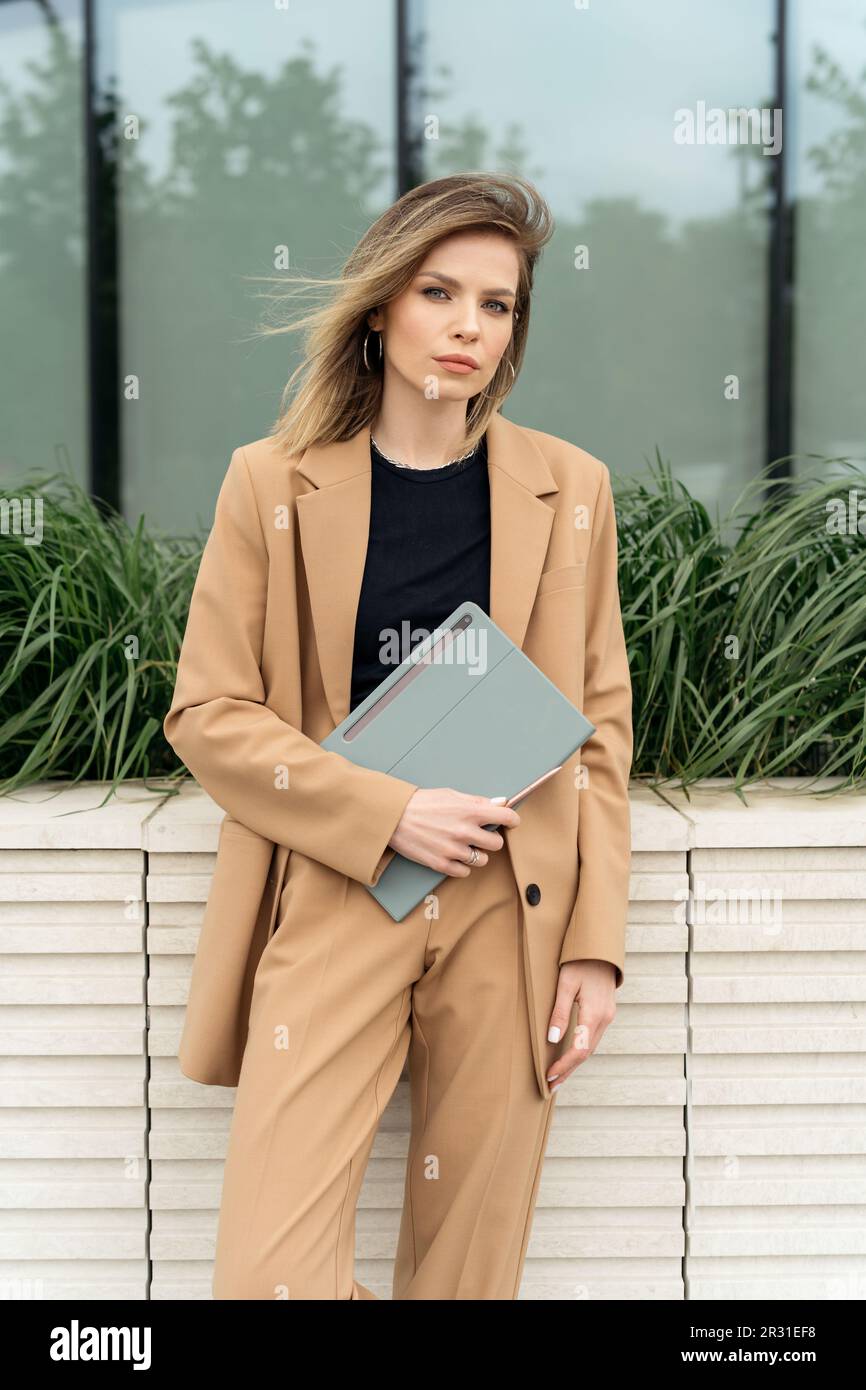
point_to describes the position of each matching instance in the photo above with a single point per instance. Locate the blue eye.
(437, 289)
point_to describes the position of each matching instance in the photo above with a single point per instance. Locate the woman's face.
(460, 301)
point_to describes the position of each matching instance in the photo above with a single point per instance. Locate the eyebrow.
(455, 284)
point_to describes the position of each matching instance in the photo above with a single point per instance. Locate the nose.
(467, 323)
(468, 333)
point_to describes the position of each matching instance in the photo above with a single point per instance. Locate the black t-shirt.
(428, 551)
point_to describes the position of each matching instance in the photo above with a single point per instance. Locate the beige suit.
(263, 676)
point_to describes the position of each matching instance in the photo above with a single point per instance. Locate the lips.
(458, 363)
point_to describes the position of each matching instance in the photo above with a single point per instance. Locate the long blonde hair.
(332, 394)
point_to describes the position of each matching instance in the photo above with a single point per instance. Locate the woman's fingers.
(491, 810)
(459, 867)
(484, 809)
(440, 826)
(483, 839)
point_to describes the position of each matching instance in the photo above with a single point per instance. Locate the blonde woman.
(390, 490)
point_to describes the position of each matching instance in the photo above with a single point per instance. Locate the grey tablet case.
(466, 709)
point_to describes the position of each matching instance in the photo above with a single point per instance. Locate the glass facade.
(827, 126)
(235, 140)
(267, 139)
(43, 242)
(653, 290)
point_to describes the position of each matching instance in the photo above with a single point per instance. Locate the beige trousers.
(337, 1004)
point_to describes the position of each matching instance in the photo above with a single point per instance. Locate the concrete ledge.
(712, 1147)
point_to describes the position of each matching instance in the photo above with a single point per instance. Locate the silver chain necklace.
(398, 464)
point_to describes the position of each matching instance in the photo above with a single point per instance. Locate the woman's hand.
(593, 984)
(439, 825)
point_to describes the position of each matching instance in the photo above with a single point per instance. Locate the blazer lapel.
(334, 524)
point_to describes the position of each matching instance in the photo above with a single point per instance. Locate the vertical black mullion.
(402, 75)
(781, 289)
(103, 357)
(410, 155)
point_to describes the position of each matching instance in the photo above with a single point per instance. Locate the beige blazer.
(264, 674)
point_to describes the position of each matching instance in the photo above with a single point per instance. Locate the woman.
(389, 491)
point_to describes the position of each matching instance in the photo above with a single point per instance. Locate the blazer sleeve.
(597, 927)
(261, 770)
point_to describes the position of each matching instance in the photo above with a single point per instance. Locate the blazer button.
(533, 894)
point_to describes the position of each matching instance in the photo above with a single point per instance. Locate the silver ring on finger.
(474, 860)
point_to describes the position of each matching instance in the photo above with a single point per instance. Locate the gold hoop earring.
(381, 349)
(502, 393)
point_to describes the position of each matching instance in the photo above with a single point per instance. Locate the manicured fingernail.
(553, 1078)
(556, 1087)
(553, 1034)
(497, 799)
